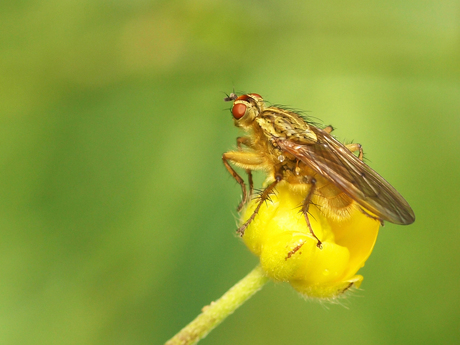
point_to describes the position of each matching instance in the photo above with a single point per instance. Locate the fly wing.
(333, 160)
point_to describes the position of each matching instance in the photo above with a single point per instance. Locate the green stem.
(215, 313)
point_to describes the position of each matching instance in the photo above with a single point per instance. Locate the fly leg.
(328, 129)
(306, 206)
(246, 160)
(355, 147)
(250, 182)
(246, 141)
(238, 179)
(263, 197)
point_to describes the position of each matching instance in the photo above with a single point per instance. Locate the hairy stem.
(217, 311)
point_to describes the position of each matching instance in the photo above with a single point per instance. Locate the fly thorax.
(267, 128)
(276, 126)
(302, 137)
(292, 130)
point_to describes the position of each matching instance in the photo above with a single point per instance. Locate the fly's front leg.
(355, 147)
(239, 180)
(306, 206)
(263, 197)
(246, 141)
(246, 160)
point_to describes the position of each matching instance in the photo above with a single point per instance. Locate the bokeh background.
(117, 217)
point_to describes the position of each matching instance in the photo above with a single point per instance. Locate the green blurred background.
(117, 217)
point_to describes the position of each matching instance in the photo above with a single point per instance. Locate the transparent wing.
(333, 160)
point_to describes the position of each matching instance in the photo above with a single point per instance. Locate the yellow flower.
(288, 252)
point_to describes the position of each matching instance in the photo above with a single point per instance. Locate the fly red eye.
(255, 94)
(243, 98)
(238, 110)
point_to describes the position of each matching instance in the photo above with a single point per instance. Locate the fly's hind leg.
(263, 197)
(355, 147)
(306, 206)
(328, 129)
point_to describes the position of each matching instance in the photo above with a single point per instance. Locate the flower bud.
(288, 252)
